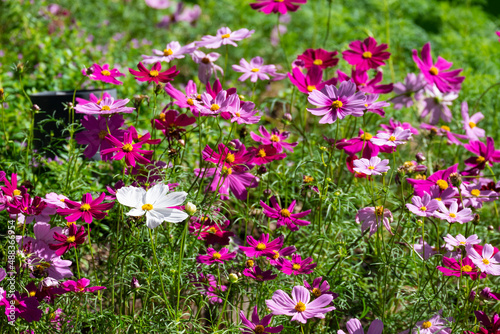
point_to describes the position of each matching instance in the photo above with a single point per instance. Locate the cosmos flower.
(408, 91)
(154, 75)
(470, 123)
(105, 74)
(354, 327)
(398, 137)
(95, 133)
(473, 195)
(80, 286)
(277, 255)
(181, 99)
(460, 240)
(181, 14)
(489, 326)
(488, 261)
(297, 266)
(310, 82)
(207, 65)
(213, 232)
(242, 112)
(74, 236)
(273, 6)
(173, 50)
(257, 274)
(441, 178)
(437, 324)
(275, 138)
(257, 325)
(255, 70)
(485, 153)
(423, 206)
(172, 124)
(362, 144)
(372, 217)
(105, 106)
(88, 210)
(452, 215)
(224, 36)
(265, 154)
(299, 306)
(214, 256)
(375, 107)
(25, 307)
(285, 216)
(319, 57)
(367, 54)
(452, 267)
(127, 149)
(262, 247)
(436, 104)
(158, 4)
(393, 124)
(319, 287)
(374, 166)
(364, 84)
(210, 106)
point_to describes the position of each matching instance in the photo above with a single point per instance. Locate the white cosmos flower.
(155, 203)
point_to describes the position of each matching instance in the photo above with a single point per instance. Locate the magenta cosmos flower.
(275, 138)
(74, 236)
(336, 103)
(127, 149)
(154, 75)
(490, 327)
(95, 133)
(319, 57)
(299, 306)
(277, 6)
(320, 287)
(423, 206)
(446, 81)
(362, 144)
(214, 256)
(88, 209)
(485, 153)
(367, 54)
(466, 267)
(488, 261)
(452, 215)
(257, 274)
(80, 286)
(437, 324)
(372, 217)
(354, 327)
(277, 255)
(105, 106)
(365, 84)
(374, 166)
(173, 50)
(310, 82)
(265, 154)
(181, 99)
(297, 266)
(441, 178)
(262, 247)
(255, 70)
(212, 232)
(224, 36)
(105, 74)
(285, 216)
(257, 325)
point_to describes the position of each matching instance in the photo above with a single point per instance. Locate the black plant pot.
(52, 118)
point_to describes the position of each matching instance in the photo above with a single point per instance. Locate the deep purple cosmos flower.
(25, 307)
(485, 153)
(276, 138)
(88, 210)
(257, 325)
(398, 137)
(262, 247)
(436, 73)
(265, 154)
(26, 205)
(285, 216)
(95, 133)
(299, 306)
(213, 232)
(74, 236)
(408, 91)
(367, 54)
(423, 206)
(470, 123)
(105, 106)
(354, 327)
(453, 267)
(214, 256)
(319, 57)
(310, 82)
(490, 326)
(436, 104)
(460, 240)
(257, 274)
(105, 74)
(372, 217)
(80, 286)
(452, 215)
(374, 166)
(224, 36)
(127, 149)
(255, 70)
(173, 50)
(336, 103)
(437, 324)
(277, 6)
(320, 287)
(488, 261)
(441, 178)
(297, 266)
(154, 75)
(172, 124)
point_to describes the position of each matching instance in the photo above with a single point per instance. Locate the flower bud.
(1, 93)
(134, 284)
(420, 168)
(242, 97)
(490, 228)
(472, 296)
(485, 293)
(35, 107)
(267, 192)
(190, 208)
(158, 88)
(476, 219)
(262, 170)
(182, 142)
(455, 179)
(287, 116)
(233, 278)
(420, 157)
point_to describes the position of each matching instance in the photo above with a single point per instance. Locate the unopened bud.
(182, 142)
(35, 107)
(158, 88)
(243, 132)
(485, 293)
(287, 116)
(420, 168)
(20, 67)
(262, 170)
(134, 284)
(420, 157)
(190, 208)
(232, 145)
(472, 296)
(242, 97)
(267, 192)
(455, 179)
(490, 228)
(233, 278)
(476, 219)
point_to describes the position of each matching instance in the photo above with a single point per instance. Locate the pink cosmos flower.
(265, 154)
(375, 107)
(181, 99)
(408, 91)
(441, 178)
(80, 286)
(487, 294)
(173, 50)
(181, 14)
(465, 267)
(460, 240)
(105, 106)
(470, 123)
(55, 200)
(485, 153)
(372, 217)
(224, 37)
(214, 256)
(257, 274)
(354, 327)
(210, 106)
(158, 4)
(88, 209)
(452, 215)
(275, 138)
(207, 66)
(374, 166)
(277, 6)
(207, 286)
(367, 54)
(336, 103)
(364, 84)
(213, 232)
(242, 112)
(74, 236)
(423, 206)
(319, 57)
(437, 74)
(437, 324)
(285, 216)
(299, 306)
(398, 137)
(236, 159)
(95, 133)
(297, 266)
(277, 255)
(436, 104)
(127, 149)
(105, 74)
(393, 124)
(262, 247)
(473, 195)
(488, 261)
(255, 70)
(154, 75)
(447, 196)
(172, 124)
(319, 288)
(257, 325)
(310, 82)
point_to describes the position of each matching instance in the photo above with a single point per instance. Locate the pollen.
(99, 101)
(475, 192)
(85, 207)
(337, 104)
(480, 159)
(392, 138)
(472, 125)
(259, 276)
(316, 292)
(68, 224)
(16, 192)
(32, 293)
(310, 88)
(318, 62)
(260, 246)
(308, 179)
(147, 207)
(70, 239)
(261, 153)
(250, 263)
(237, 114)
(212, 230)
(486, 261)
(367, 54)
(168, 52)
(438, 199)
(433, 71)
(102, 134)
(300, 307)
(296, 266)
(127, 148)
(371, 167)
(285, 213)
(226, 36)
(274, 139)
(452, 215)
(462, 242)
(467, 268)
(106, 73)
(105, 108)
(216, 256)
(190, 102)
(379, 210)
(259, 329)
(215, 107)
(423, 208)
(427, 324)
(255, 70)
(366, 136)
(276, 255)
(154, 73)
(230, 158)
(226, 171)
(442, 184)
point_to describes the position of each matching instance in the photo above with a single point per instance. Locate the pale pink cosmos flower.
(460, 240)
(207, 65)
(255, 70)
(243, 112)
(486, 261)
(372, 217)
(224, 37)
(398, 137)
(105, 106)
(437, 324)
(209, 106)
(423, 206)
(158, 4)
(472, 131)
(425, 249)
(452, 215)
(374, 166)
(299, 306)
(354, 327)
(172, 51)
(436, 104)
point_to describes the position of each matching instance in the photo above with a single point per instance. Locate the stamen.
(392, 138)
(452, 215)
(472, 125)
(226, 36)
(106, 73)
(154, 73)
(250, 263)
(85, 207)
(367, 54)
(16, 192)
(102, 134)
(260, 246)
(285, 213)
(255, 70)
(475, 192)
(445, 128)
(316, 292)
(296, 266)
(379, 210)
(168, 52)
(467, 268)
(442, 184)
(127, 148)
(337, 104)
(259, 329)
(486, 261)
(300, 307)
(230, 158)
(311, 88)
(423, 208)
(261, 153)
(433, 71)
(480, 159)
(190, 102)
(216, 256)
(426, 324)
(105, 108)
(214, 107)
(318, 62)
(366, 136)
(274, 138)
(147, 207)
(276, 255)
(70, 239)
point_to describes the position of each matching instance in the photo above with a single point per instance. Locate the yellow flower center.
(99, 101)
(255, 70)
(392, 138)
(316, 292)
(308, 179)
(226, 171)
(462, 242)
(230, 158)
(438, 199)
(16, 192)
(371, 167)
(318, 62)
(102, 134)
(105, 108)
(154, 73)
(300, 307)
(168, 52)
(260, 246)
(426, 324)
(250, 263)
(442, 184)
(445, 128)
(366, 136)
(276, 255)
(214, 107)
(52, 316)
(127, 148)
(480, 159)
(367, 54)
(475, 192)
(237, 114)
(296, 266)
(261, 153)
(467, 268)
(274, 138)
(32, 293)
(486, 261)
(70, 239)
(285, 213)
(423, 208)
(259, 329)
(190, 102)
(433, 71)
(212, 230)
(85, 207)
(259, 276)
(226, 36)
(379, 210)
(337, 104)
(106, 73)
(452, 215)
(216, 256)
(472, 125)
(310, 88)
(147, 207)
(68, 224)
